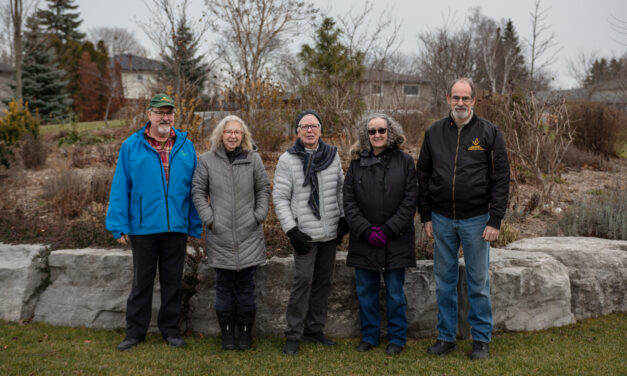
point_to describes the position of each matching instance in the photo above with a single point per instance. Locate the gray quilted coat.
(290, 198)
(232, 201)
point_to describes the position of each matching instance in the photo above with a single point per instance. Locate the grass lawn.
(592, 347)
(84, 126)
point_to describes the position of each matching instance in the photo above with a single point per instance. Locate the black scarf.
(312, 163)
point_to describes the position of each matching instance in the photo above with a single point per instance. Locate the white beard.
(163, 130)
(461, 115)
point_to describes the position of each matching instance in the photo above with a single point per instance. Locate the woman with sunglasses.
(230, 190)
(380, 198)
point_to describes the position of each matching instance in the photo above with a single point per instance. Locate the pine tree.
(329, 61)
(59, 20)
(181, 65)
(44, 86)
(513, 67)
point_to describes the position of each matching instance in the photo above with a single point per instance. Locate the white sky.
(579, 26)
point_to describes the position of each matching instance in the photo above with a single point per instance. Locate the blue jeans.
(368, 283)
(448, 234)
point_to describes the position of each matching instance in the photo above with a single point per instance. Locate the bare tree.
(444, 56)
(620, 27)
(378, 40)
(487, 45)
(15, 14)
(118, 40)
(542, 45)
(252, 34)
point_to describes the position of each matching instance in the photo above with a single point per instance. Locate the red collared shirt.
(163, 148)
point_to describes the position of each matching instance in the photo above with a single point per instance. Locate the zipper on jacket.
(165, 185)
(140, 211)
(459, 131)
(234, 230)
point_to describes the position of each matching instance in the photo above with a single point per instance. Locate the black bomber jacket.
(463, 172)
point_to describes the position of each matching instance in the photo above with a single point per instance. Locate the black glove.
(300, 240)
(342, 229)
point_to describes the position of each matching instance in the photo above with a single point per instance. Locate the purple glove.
(383, 239)
(377, 238)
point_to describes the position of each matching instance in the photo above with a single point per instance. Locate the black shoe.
(129, 343)
(176, 342)
(364, 346)
(245, 321)
(480, 350)
(226, 319)
(441, 347)
(318, 338)
(291, 347)
(393, 349)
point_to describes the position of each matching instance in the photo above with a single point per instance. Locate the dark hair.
(467, 80)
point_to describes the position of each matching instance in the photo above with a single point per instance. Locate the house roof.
(136, 63)
(387, 76)
(6, 68)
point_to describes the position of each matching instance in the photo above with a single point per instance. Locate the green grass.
(592, 347)
(81, 127)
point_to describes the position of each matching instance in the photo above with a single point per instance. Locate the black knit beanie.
(303, 114)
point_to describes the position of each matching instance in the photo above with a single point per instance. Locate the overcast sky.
(579, 25)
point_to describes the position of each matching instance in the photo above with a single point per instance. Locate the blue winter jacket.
(141, 202)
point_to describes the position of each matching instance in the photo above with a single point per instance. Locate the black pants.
(235, 290)
(167, 251)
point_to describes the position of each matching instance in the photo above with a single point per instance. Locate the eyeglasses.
(372, 132)
(456, 99)
(307, 127)
(233, 132)
(162, 114)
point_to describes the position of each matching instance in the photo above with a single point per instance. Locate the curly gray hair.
(396, 136)
(216, 136)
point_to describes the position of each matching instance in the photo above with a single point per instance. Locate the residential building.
(138, 74)
(385, 90)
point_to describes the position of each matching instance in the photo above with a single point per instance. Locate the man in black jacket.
(463, 176)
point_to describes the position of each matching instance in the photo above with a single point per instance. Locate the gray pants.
(313, 274)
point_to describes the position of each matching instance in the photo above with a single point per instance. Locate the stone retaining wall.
(535, 284)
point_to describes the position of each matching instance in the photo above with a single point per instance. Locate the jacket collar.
(367, 158)
(180, 136)
(472, 120)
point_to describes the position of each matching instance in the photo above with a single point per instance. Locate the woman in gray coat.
(230, 190)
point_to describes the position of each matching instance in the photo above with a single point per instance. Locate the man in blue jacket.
(150, 205)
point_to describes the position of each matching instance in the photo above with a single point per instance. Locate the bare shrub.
(538, 135)
(69, 192)
(577, 158)
(596, 126)
(34, 152)
(414, 123)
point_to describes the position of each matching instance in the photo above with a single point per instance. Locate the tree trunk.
(16, 16)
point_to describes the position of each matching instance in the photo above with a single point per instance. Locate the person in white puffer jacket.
(307, 197)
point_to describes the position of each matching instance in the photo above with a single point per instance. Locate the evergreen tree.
(59, 20)
(329, 62)
(44, 86)
(182, 67)
(513, 67)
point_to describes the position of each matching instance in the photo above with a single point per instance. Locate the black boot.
(245, 321)
(227, 327)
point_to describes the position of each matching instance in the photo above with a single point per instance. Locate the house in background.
(138, 75)
(385, 90)
(7, 77)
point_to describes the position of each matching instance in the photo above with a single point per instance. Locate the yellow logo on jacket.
(475, 145)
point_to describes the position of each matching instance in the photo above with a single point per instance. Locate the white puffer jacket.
(290, 198)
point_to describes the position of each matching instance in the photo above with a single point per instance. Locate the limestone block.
(89, 287)
(597, 269)
(23, 274)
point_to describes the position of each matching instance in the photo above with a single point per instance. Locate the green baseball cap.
(161, 100)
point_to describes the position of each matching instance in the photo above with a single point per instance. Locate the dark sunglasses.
(372, 132)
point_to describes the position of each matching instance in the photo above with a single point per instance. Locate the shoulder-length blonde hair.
(216, 136)
(396, 136)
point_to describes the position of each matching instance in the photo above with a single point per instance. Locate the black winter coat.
(381, 191)
(463, 172)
